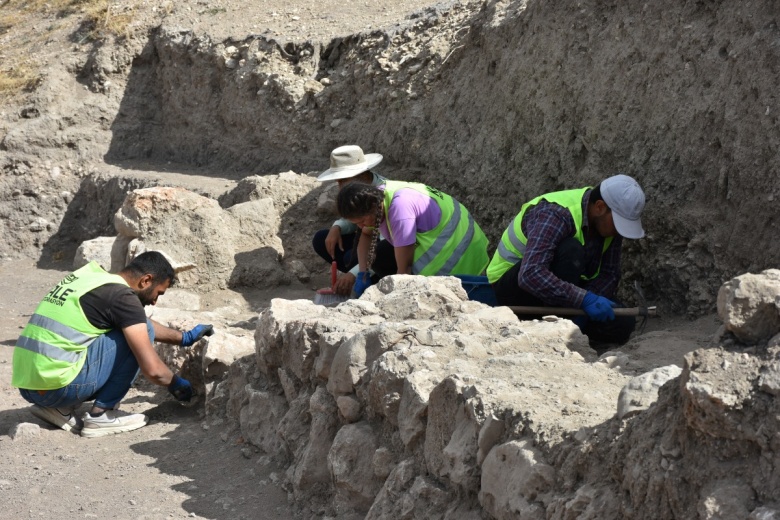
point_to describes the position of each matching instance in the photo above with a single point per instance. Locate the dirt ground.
(178, 466)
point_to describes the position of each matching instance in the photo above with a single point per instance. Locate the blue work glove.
(597, 307)
(188, 338)
(180, 388)
(362, 282)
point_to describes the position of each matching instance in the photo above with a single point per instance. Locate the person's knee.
(318, 240)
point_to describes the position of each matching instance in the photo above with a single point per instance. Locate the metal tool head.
(642, 304)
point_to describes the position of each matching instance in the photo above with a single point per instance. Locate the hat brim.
(628, 228)
(345, 172)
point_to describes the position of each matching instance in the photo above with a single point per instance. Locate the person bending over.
(348, 164)
(563, 249)
(431, 233)
(87, 340)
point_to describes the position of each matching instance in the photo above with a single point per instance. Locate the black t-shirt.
(113, 306)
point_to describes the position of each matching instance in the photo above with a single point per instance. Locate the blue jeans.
(107, 375)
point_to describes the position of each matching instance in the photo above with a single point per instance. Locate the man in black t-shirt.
(89, 338)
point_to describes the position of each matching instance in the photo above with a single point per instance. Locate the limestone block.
(326, 202)
(349, 408)
(444, 403)
(284, 337)
(405, 494)
(289, 384)
(491, 432)
(329, 343)
(748, 305)
(354, 481)
(403, 297)
(313, 466)
(294, 427)
(258, 223)
(514, 477)
(385, 379)
(718, 388)
(180, 299)
(109, 252)
(220, 351)
(459, 456)
(382, 462)
(355, 355)
(414, 405)
(237, 386)
(191, 228)
(642, 391)
(258, 419)
(729, 499)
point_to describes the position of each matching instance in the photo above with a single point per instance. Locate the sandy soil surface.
(176, 467)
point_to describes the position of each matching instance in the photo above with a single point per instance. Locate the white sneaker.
(111, 422)
(64, 418)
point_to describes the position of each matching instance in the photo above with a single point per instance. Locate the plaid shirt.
(546, 225)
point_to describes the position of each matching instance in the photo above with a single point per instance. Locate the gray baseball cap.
(626, 199)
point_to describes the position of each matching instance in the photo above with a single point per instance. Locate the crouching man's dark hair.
(153, 263)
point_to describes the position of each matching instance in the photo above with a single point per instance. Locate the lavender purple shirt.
(410, 212)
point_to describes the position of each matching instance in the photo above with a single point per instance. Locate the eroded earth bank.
(413, 402)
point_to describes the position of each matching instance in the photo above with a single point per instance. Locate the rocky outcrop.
(413, 402)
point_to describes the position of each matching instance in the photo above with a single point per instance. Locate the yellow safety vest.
(456, 245)
(52, 348)
(512, 246)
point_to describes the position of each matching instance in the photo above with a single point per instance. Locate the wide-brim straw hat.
(348, 161)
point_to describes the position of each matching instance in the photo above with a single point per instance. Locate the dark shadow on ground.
(224, 476)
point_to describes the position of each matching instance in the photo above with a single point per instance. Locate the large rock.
(642, 390)
(749, 306)
(514, 481)
(238, 245)
(259, 419)
(353, 476)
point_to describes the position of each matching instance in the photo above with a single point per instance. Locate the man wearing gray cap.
(349, 164)
(563, 249)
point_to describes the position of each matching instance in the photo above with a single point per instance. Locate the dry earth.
(176, 467)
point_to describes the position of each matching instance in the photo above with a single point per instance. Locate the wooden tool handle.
(333, 269)
(570, 311)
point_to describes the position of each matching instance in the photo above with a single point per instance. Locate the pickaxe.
(642, 310)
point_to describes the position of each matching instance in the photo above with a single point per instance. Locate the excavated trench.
(494, 103)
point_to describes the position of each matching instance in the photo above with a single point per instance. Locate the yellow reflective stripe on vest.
(456, 245)
(441, 241)
(50, 351)
(68, 333)
(506, 253)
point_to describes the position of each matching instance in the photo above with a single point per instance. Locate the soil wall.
(495, 103)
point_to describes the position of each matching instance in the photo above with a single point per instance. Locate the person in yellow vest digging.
(563, 249)
(87, 340)
(349, 164)
(431, 233)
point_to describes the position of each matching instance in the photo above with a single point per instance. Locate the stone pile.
(413, 402)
